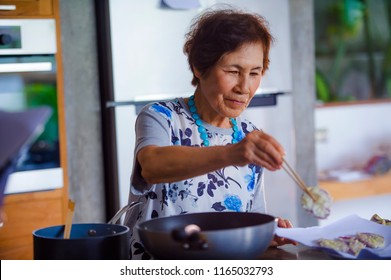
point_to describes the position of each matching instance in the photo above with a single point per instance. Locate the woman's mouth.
(236, 102)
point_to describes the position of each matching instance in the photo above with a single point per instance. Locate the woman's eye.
(254, 73)
(234, 72)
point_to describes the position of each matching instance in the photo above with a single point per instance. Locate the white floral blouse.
(232, 188)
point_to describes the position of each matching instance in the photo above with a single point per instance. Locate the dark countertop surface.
(291, 252)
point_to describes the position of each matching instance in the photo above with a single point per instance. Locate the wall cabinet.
(26, 8)
(29, 211)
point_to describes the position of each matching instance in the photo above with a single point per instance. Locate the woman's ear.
(197, 73)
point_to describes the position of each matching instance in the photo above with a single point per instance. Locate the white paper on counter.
(349, 225)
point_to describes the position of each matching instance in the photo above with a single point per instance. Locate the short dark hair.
(216, 32)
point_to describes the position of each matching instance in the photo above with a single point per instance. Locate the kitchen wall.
(348, 136)
(85, 162)
(303, 98)
(82, 109)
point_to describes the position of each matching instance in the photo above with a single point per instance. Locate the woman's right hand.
(261, 149)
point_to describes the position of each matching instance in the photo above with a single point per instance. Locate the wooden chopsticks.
(295, 176)
(68, 222)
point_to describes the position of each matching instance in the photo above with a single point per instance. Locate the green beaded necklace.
(236, 135)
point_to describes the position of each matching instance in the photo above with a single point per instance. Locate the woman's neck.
(208, 114)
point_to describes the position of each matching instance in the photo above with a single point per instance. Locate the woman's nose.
(243, 85)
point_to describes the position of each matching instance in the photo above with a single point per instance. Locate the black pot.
(86, 242)
(214, 235)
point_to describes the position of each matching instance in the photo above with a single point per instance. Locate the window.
(353, 50)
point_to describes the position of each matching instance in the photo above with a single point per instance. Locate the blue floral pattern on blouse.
(233, 203)
(252, 179)
(161, 108)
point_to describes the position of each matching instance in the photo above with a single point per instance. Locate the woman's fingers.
(274, 142)
(284, 223)
(267, 151)
(278, 241)
(261, 149)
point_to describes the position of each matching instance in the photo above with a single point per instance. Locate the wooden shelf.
(27, 8)
(376, 185)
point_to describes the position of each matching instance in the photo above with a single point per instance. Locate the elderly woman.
(198, 154)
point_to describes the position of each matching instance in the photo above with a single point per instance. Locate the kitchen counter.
(291, 252)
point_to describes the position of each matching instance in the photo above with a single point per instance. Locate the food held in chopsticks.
(353, 244)
(315, 200)
(318, 204)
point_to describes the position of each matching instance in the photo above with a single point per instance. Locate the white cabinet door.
(147, 46)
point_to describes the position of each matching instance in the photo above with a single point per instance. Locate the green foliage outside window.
(353, 49)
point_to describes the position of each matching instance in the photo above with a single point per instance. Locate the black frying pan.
(214, 235)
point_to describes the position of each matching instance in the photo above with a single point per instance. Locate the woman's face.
(227, 88)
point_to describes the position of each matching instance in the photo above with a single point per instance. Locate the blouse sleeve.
(152, 128)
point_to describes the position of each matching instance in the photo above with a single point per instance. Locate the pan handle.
(122, 211)
(191, 237)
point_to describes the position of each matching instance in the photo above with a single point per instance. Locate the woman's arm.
(174, 163)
